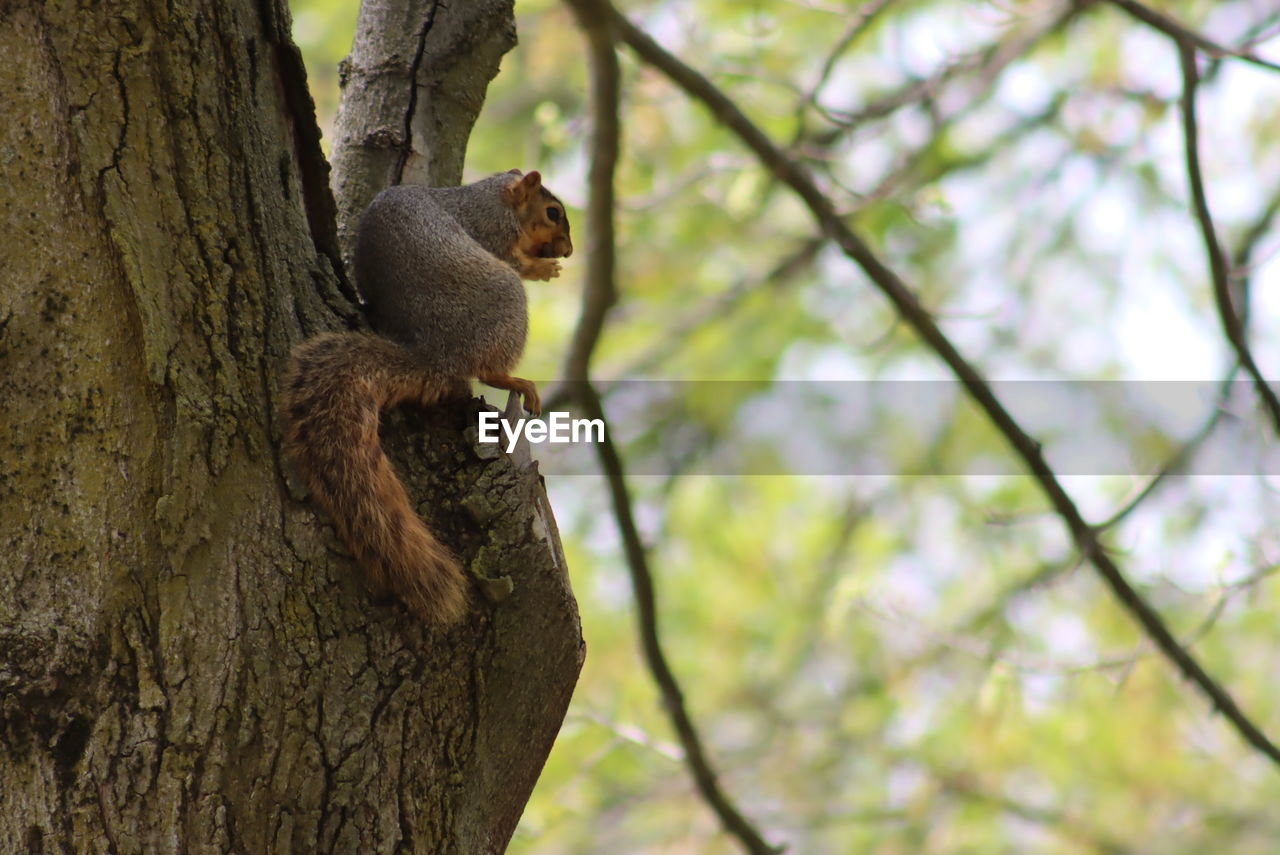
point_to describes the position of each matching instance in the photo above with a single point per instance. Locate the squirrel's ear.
(530, 183)
(514, 172)
(525, 187)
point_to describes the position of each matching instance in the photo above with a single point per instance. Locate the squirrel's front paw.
(541, 268)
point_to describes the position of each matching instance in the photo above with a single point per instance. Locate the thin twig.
(723, 305)
(678, 333)
(1185, 36)
(599, 295)
(905, 301)
(1070, 827)
(647, 613)
(985, 64)
(1218, 268)
(1178, 462)
(1241, 263)
(860, 23)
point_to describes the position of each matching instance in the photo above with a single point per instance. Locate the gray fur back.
(433, 265)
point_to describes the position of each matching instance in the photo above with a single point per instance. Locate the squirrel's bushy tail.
(335, 390)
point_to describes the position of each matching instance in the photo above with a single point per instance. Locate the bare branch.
(1232, 325)
(1241, 263)
(1178, 461)
(1070, 827)
(723, 305)
(1190, 38)
(980, 68)
(704, 775)
(1244, 261)
(1085, 537)
(860, 23)
(599, 295)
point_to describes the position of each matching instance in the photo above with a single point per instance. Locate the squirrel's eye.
(553, 214)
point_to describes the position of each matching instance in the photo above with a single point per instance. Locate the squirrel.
(440, 271)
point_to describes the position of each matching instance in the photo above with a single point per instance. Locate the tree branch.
(600, 292)
(704, 775)
(1084, 536)
(1219, 270)
(1179, 460)
(599, 296)
(1187, 37)
(983, 65)
(1242, 260)
(861, 22)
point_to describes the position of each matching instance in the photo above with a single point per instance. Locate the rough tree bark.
(412, 87)
(188, 662)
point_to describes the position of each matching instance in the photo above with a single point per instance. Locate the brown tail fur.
(337, 386)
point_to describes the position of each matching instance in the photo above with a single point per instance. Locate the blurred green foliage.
(905, 662)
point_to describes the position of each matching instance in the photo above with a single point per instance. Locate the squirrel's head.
(544, 224)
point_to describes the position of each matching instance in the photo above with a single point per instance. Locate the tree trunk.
(188, 661)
